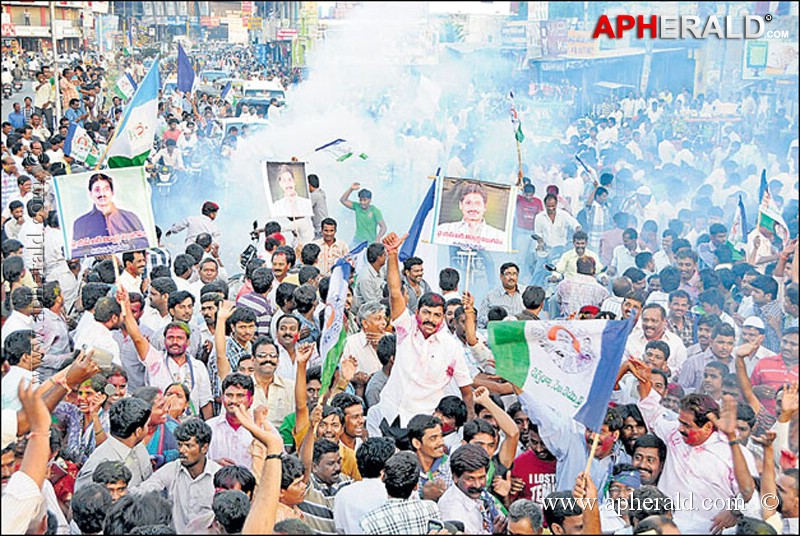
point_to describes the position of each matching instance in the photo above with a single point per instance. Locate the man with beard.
(720, 349)
(468, 500)
(230, 440)
(353, 409)
(156, 314)
(649, 455)
(653, 327)
(272, 391)
(174, 365)
(568, 263)
(686, 261)
(189, 480)
(705, 330)
(180, 306)
(633, 427)
(97, 333)
(323, 464)
(536, 468)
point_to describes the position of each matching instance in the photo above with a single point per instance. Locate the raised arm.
(746, 385)
(141, 344)
(345, 196)
(306, 449)
(769, 487)
(471, 324)
(223, 314)
(726, 423)
(392, 243)
(37, 453)
(304, 352)
(509, 449)
(381, 230)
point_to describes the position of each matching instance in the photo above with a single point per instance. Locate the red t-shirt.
(773, 372)
(527, 211)
(538, 475)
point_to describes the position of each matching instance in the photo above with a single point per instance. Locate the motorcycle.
(6, 91)
(163, 177)
(17, 85)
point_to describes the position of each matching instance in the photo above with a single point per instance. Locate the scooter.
(6, 91)
(17, 84)
(165, 178)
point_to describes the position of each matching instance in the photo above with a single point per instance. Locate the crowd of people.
(151, 394)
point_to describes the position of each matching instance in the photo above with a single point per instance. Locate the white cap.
(753, 322)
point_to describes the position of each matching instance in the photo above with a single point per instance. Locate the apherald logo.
(682, 26)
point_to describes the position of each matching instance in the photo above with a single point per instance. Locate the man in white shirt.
(230, 441)
(21, 316)
(363, 345)
(428, 357)
(554, 224)
(467, 499)
(131, 277)
(23, 353)
(653, 327)
(196, 225)
(625, 254)
(97, 333)
(32, 235)
(356, 500)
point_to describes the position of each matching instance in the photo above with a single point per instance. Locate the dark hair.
(309, 254)
(13, 268)
(723, 329)
(478, 426)
(745, 413)
(659, 503)
(183, 263)
(177, 297)
(243, 314)
(670, 278)
(230, 510)
(203, 240)
(105, 272)
(418, 425)
(752, 525)
(708, 320)
(327, 221)
(160, 272)
(106, 308)
(430, 299)
(651, 441)
(468, 458)
(533, 297)
(766, 284)
(387, 347)
(127, 415)
(699, 406)
(401, 475)
(613, 420)
(642, 259)
(111, 472)
(17, 344)
(239, 380)
(454, 408)
(661, 346)
(291, 469)
(506, 265)
(448, 279)
(284, 293)
(560, 505)
(21, 297)
(305, 296)
(99, 176)
(89, 506)
(374, 251)
(580, 235)
(657, 307)
(654, 525)
(137, 511)
(323, 447)
(130, 256)
(634, 274)
(196, 428)
(292, 526)
(345, 400)
(91, 292)
(10, 246)
(164, 285)
(585, 265)
(372, 454)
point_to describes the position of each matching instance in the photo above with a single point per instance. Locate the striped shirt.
(773, 372)
(328, 255)
(318, 505)
(401, 516)
(261, 306)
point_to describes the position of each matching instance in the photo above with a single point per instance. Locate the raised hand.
(122, 295)
(468, 301)
(304, 352)
(502, 486)
(95, 402)
(81, 369)
(640, 370)
(789, 403)
(347, 368)
(225, 311)
(34, 407)
(481, 396)
(392, 242)
(316, 416)
(726, 423)
(765, 440)
(750, 348)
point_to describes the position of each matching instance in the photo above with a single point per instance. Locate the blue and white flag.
(125, 86)
(358, 256)
(570, 366)
(227, 94)
(739, 230)
(134, 139)
(340, 149)
(185, 72)
(410, 245)
(333, 336)
(80, 146)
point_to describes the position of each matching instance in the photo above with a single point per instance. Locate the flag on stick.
(133, 139)
(739, 230)
(570, 366)
(515, 122)
(340, 149)
(80, 146)
(125, 86)
(410, 244)
(770, 221)
(331, 342)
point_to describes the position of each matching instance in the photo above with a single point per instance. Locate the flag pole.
(595, 443)
(105, 153)
(519, 161)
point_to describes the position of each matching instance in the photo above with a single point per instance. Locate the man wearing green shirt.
(368, 217)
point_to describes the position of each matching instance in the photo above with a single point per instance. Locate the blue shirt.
(73, 115)
(17, 119)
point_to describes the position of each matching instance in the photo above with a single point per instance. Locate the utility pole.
(55, 61)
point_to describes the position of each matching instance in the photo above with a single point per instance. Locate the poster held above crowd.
(97, 223)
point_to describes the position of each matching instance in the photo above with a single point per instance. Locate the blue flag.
(225, 91)
(410, 245)
(185, 71)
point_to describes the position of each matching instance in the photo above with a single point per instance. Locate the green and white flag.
(331, 342)
(134, 138)
(80, 146)
(125, 86)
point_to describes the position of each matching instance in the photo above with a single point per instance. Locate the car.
(206, 81)
(265, 90)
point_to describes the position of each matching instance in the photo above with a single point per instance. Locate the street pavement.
(8, 104)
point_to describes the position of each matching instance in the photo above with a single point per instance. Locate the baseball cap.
(210, 206)
(364, 194)
(753, 322)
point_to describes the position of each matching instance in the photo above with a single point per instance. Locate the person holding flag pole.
(518, 136)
